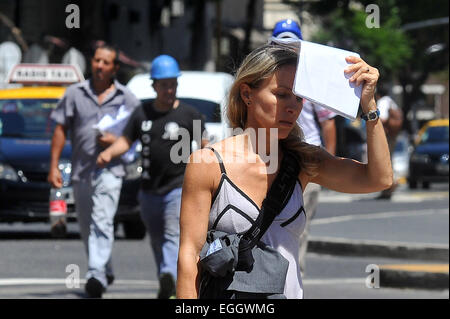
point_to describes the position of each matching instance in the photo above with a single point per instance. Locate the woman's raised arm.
(350, 176)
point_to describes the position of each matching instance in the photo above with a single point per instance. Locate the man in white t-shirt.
(392, 118)
(318, 126)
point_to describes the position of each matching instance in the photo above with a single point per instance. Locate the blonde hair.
(259, 65)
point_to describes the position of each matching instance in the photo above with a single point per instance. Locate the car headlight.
(8, 173)
(420, 158)
(444, 158)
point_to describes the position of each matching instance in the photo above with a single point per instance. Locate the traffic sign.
(48, 74)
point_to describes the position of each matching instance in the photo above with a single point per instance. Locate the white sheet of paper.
(114, 124)
(320, 78)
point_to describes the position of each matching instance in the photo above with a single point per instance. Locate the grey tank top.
(233, 211)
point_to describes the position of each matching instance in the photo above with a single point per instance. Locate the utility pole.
(218, 34)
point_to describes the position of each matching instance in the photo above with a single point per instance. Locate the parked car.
(206, 91)
(429, 160)
(25, 138)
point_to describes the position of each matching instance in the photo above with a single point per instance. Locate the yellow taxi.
(25, 136)
(432, 123)
(25, 139)
(429, 161)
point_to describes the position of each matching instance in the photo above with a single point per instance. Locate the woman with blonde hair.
(225, 186)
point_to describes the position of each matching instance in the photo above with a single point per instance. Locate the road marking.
(58, 281)
(407, 213)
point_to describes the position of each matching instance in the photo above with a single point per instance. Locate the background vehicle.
(206, 91)
(400, 157)
(25, 138)
(429, 160)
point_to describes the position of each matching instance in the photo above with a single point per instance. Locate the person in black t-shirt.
(166, 128)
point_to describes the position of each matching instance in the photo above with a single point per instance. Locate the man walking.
(96, 191)
(160, 125)
(392, 117)
(319, 128)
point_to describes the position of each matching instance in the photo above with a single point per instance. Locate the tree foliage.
(404, 54)
(386, 47)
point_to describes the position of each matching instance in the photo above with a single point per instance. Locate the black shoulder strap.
(219, 158)
(277, 197)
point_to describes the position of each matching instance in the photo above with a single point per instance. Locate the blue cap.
(287, 29)
(164, 67)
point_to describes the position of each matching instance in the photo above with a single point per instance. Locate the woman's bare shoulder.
(201, 157)
(202, 171)
(223, 145)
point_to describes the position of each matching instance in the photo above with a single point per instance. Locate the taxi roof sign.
(45, 74)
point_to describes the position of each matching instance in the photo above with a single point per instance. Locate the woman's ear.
(245, 91)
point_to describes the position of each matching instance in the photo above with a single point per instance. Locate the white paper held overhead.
(320, 78)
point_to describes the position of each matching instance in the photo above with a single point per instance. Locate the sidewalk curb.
(413, 279)
(395, 278)
(348, 247)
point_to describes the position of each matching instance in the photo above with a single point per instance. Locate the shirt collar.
(87, 86)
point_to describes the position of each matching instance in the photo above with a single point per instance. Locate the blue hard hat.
(287, 29)
(164, 67)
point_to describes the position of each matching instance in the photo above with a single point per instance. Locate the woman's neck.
(265, 144)
(262, 140)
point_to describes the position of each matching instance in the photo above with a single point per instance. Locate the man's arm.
(329, 135)
(119, 147)
(107, 139)
(58, 141)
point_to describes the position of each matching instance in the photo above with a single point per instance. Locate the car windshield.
(435, 134)
(209, 109)
(29, 118)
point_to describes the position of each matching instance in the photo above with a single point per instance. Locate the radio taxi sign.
(56, 74)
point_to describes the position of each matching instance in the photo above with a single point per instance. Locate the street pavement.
(403, 228)
(348, 234)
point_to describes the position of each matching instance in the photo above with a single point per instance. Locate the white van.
(206, 91)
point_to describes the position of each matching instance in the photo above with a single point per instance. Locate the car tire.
(426, 185)
(134, 229)
(412, 184)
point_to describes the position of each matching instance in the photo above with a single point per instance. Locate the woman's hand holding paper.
(367, 74)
